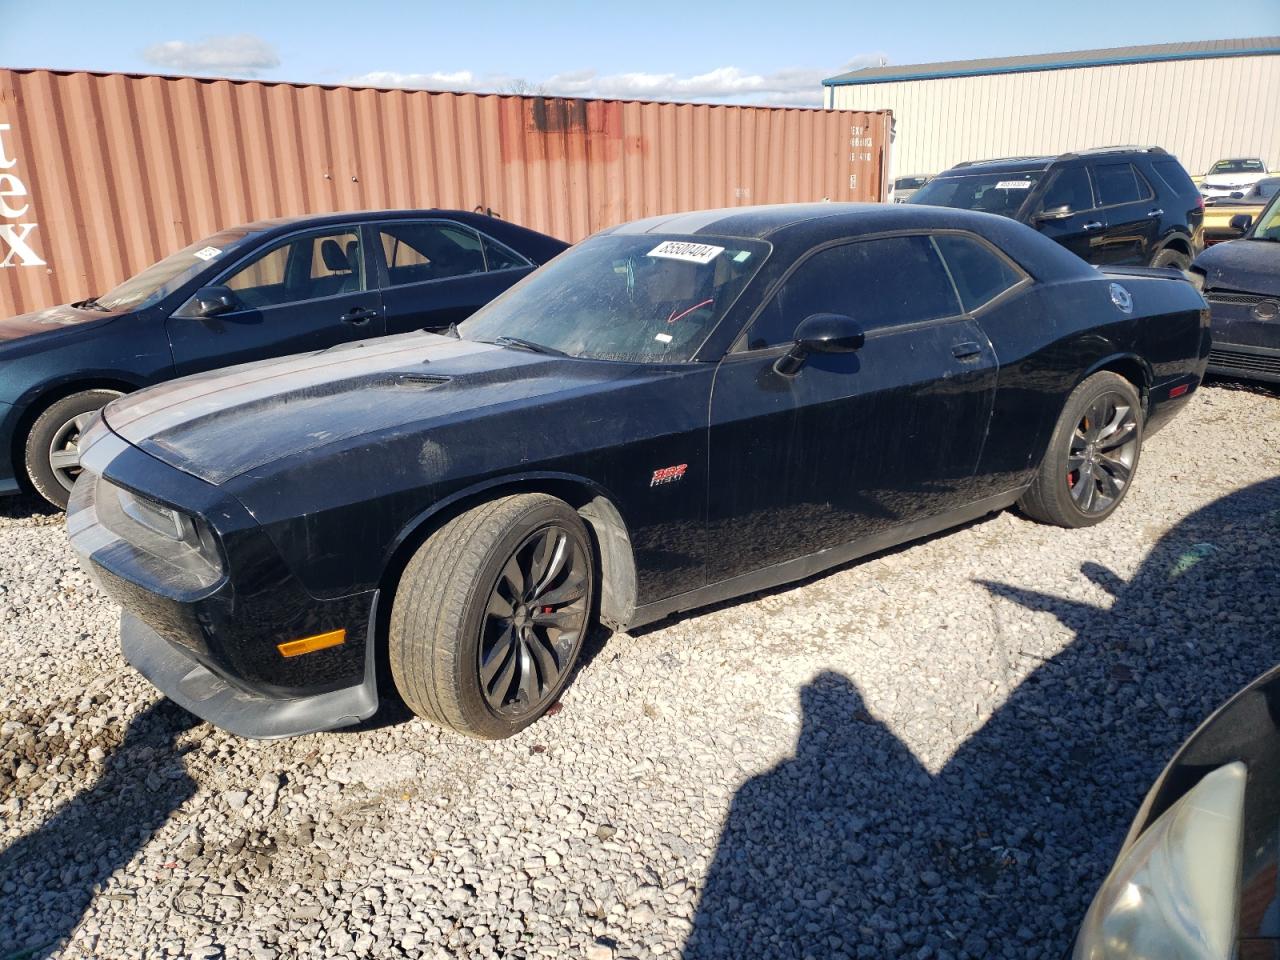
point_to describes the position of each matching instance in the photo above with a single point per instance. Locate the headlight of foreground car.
(169, 535)
(1172, 894)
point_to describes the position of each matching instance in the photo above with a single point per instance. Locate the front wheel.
(52, 452)
(1092, 455)
(490, 615)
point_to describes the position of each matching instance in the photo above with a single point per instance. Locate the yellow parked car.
(1219, 212)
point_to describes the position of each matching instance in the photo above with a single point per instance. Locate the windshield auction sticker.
(207, 253)
(1014, 185)
(683, 250)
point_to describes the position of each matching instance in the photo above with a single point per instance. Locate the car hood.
(51, 321)
(220, 425)
(1252, 266)
(1226, 181)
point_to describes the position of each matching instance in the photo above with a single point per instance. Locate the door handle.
(1155, 213)
(1092, 225)
(966, 350)
(358, 316)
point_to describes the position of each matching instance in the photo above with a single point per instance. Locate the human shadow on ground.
(49, 877)
(853, 849)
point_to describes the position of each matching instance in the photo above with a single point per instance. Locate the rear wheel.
(1171, 258)
(52, 452)
(490, 615)
(1092, 455)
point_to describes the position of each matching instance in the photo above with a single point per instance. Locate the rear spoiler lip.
(1156, 273)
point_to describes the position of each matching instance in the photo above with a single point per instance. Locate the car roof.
(807, 220)
(1027, 164)
(347, 216)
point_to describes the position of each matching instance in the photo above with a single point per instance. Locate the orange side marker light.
(321, 641)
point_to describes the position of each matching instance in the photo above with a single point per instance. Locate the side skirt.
(801, 567)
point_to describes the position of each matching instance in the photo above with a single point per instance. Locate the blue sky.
(741, 51)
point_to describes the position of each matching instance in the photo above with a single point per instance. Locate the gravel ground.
(932, 753)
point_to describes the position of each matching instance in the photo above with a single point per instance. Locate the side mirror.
(820, 333)
(1055, 213)
(213, 301)
(1242, 222)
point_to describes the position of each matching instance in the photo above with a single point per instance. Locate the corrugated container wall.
(101, 175)
(1200, 110)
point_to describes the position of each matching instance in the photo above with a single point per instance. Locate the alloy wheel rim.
(1102, 452)
(534, 620)
(64, 449)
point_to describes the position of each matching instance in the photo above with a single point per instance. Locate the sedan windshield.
(1268, 227)
(165, 276)
(1237, 166)
(1002, 193)
(641, 298)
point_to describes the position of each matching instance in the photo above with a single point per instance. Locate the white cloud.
(242, 54)
(792, 86)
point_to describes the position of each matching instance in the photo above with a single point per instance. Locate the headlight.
(182, 543)
(1172, 894)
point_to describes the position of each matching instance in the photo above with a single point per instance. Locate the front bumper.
(211, 643)
(216, 698)
(1243, 345)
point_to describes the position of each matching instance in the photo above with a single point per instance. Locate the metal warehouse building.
(1201, 101)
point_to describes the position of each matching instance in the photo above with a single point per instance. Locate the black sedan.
(1241, 280)
(1199, 873)
(261, 290)
(674, 412)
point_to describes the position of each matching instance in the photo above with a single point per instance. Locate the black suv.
(1130, 205)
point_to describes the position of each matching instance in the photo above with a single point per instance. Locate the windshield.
(1002, 193)
(1237, 166)
(165, 276)
(908, 183)
(646, 298)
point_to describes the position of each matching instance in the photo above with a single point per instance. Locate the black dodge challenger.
(674, 412)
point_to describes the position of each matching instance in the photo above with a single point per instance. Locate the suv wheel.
(1171, 258)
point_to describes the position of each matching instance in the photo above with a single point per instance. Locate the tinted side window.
(307, 268)
(1119, 183)
(1171, 172)
(499, 257)
(879, 283)
(1070, 188)
(980, 274)
(418, 251)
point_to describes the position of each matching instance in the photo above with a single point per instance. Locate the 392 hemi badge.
(668, 474)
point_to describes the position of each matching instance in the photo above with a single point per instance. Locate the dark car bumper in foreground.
(1246, 336)
(208, 640)
(236, 709)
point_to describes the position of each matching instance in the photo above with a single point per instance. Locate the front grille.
(1226, 296)
(1244, 362)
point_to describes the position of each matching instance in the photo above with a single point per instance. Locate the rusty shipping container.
(102, 174)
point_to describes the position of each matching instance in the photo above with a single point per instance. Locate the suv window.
(1120, 183)
(417, 251)
(880, 283)
(304, 268)
(1176, 178)
(979, 273)
(1069, 188)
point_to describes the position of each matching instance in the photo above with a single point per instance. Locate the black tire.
(1091, 461)
(448, 621)
(1171, 258)
(49, 454)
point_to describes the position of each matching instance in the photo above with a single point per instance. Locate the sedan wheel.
(52, 450)
(490, 615)
(1092, 455)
